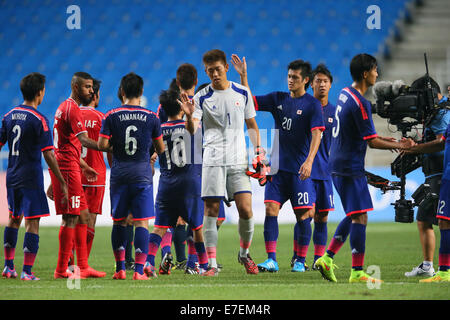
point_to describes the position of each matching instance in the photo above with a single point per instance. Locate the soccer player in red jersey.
(70, 135)
(28, 134)
(93, 190)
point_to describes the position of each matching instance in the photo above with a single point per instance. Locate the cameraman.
(432, 168)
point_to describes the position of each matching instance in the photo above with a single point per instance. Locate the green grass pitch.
(393, 247)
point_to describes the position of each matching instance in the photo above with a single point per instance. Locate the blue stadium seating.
(153, 37)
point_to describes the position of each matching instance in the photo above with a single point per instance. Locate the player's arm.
(50, 158)
(253, 132)
(188, 107)
(88, 142)
(436, 145)
(305, 169)
(159, 145)
(384, 144)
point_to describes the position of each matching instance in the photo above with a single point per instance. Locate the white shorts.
(225, 181)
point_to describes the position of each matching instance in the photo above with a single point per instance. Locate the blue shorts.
(443, 211)
(136, 199)
(324, 195)
(288, 186)
(354, 193)
(31, 203)
(190, 209)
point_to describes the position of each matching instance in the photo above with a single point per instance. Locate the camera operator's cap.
(421, 83)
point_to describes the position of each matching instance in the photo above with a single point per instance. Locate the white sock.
(427, 265)
(210, 233)
(246, 229)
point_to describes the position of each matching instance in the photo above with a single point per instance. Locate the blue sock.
(30, 249)
(304, 238)
(154, 242)
(444, 250)
(358, 245)
(10, 242)
(320, 236)
(119, 244)
(342, 232)
(271, 236)
(179, 242)
(141, 241)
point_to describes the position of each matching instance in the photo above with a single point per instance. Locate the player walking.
(352, 132)
(224, 107)
(130, 131)
(28, 134)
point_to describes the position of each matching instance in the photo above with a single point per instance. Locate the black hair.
(421, 83)
(96, 86)
(202, 86)
(169, 102)
(214, 56)
(321, 68)
(361, 63)
(187, 76)
(304, 67)
(132, 85)
(173, 85)
(31, 85)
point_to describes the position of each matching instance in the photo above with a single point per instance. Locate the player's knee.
(321, 217)
(444, 224)
(32, 225)
(303, 214)
(360, 218)
(69, 220)
(272, 209)
(212, 208)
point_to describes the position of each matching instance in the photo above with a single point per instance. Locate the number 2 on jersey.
(16, 129)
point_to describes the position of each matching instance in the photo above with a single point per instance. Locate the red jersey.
(93, 123)
(68, 125)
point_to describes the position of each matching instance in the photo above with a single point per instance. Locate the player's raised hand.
(90, 174)
(407, 143)
(186, 104)
(239, 65)
(305, 170)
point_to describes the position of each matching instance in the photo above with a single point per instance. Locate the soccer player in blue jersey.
(130, 131)
(27, 133)
(352, 131)
(298, 118)
(443, 209)
(180, 182)
(321, 80)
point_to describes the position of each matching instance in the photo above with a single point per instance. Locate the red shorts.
(77, 201)
(94, 198)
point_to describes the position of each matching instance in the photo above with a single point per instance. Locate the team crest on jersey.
(330, 120)
(299, 112)
(79, 124)
(237, 103)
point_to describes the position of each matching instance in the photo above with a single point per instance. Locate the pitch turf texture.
(394, 247)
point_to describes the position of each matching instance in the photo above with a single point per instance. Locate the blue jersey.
(320, 169)
(446, 137)
(353, 127)
(131, 130)
(295, 119)
(27, 133)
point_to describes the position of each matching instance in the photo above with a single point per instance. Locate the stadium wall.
(383, 210)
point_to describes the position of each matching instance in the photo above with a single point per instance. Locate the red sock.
(66, 236)
(81, 245)
(90, 239)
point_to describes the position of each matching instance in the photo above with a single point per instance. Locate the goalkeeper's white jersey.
(223, 114)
